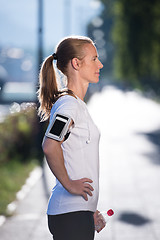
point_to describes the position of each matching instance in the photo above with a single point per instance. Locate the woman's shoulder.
(67, 105)
(66, 100)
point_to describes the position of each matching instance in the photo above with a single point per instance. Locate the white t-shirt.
(81, 157)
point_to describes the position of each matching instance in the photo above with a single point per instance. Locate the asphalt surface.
(129, 173)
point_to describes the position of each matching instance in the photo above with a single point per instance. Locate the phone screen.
(57, 127)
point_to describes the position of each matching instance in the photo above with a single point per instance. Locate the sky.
(19, 21)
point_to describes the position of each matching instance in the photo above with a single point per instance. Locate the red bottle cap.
(110, 212)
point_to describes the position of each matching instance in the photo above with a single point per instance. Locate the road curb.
(34, 176)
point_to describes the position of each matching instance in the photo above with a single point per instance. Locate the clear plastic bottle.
(105, 216)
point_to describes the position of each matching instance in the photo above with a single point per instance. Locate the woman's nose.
(100, 65)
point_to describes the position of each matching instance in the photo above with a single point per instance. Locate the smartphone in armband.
(59, 127)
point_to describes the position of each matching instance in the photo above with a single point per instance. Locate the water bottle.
(105, 216)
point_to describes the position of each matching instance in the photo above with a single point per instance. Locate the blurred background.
(124, 104)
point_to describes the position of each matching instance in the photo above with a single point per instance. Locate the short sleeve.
(66, 105)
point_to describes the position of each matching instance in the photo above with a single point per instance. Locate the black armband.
(58, 129)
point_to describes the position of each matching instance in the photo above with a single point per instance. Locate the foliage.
(132, 35)
(12, 176)
(137, 42)
(19, 147)
(18, 134)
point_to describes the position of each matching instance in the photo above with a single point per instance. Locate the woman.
(71, 143)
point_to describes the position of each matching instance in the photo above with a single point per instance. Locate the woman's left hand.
(99, 220)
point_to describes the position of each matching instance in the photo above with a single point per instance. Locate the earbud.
(88, 141)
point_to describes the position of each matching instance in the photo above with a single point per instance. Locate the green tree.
(136, 38)
(132, 34)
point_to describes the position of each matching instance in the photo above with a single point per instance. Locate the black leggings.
(72, 226)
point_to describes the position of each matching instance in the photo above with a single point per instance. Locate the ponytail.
(48, 90)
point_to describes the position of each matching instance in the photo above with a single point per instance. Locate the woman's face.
(90, 65)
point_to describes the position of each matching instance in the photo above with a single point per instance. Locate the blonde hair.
(48, 93)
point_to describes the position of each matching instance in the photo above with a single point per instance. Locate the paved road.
(129, 173)
(130, 163)
(29, 221)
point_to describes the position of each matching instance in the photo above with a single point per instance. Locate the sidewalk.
(129, 173)
(29, 221)
(129, 163)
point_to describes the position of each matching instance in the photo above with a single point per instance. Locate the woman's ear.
(75, 62)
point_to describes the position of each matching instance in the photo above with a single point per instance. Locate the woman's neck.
(78, 88)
